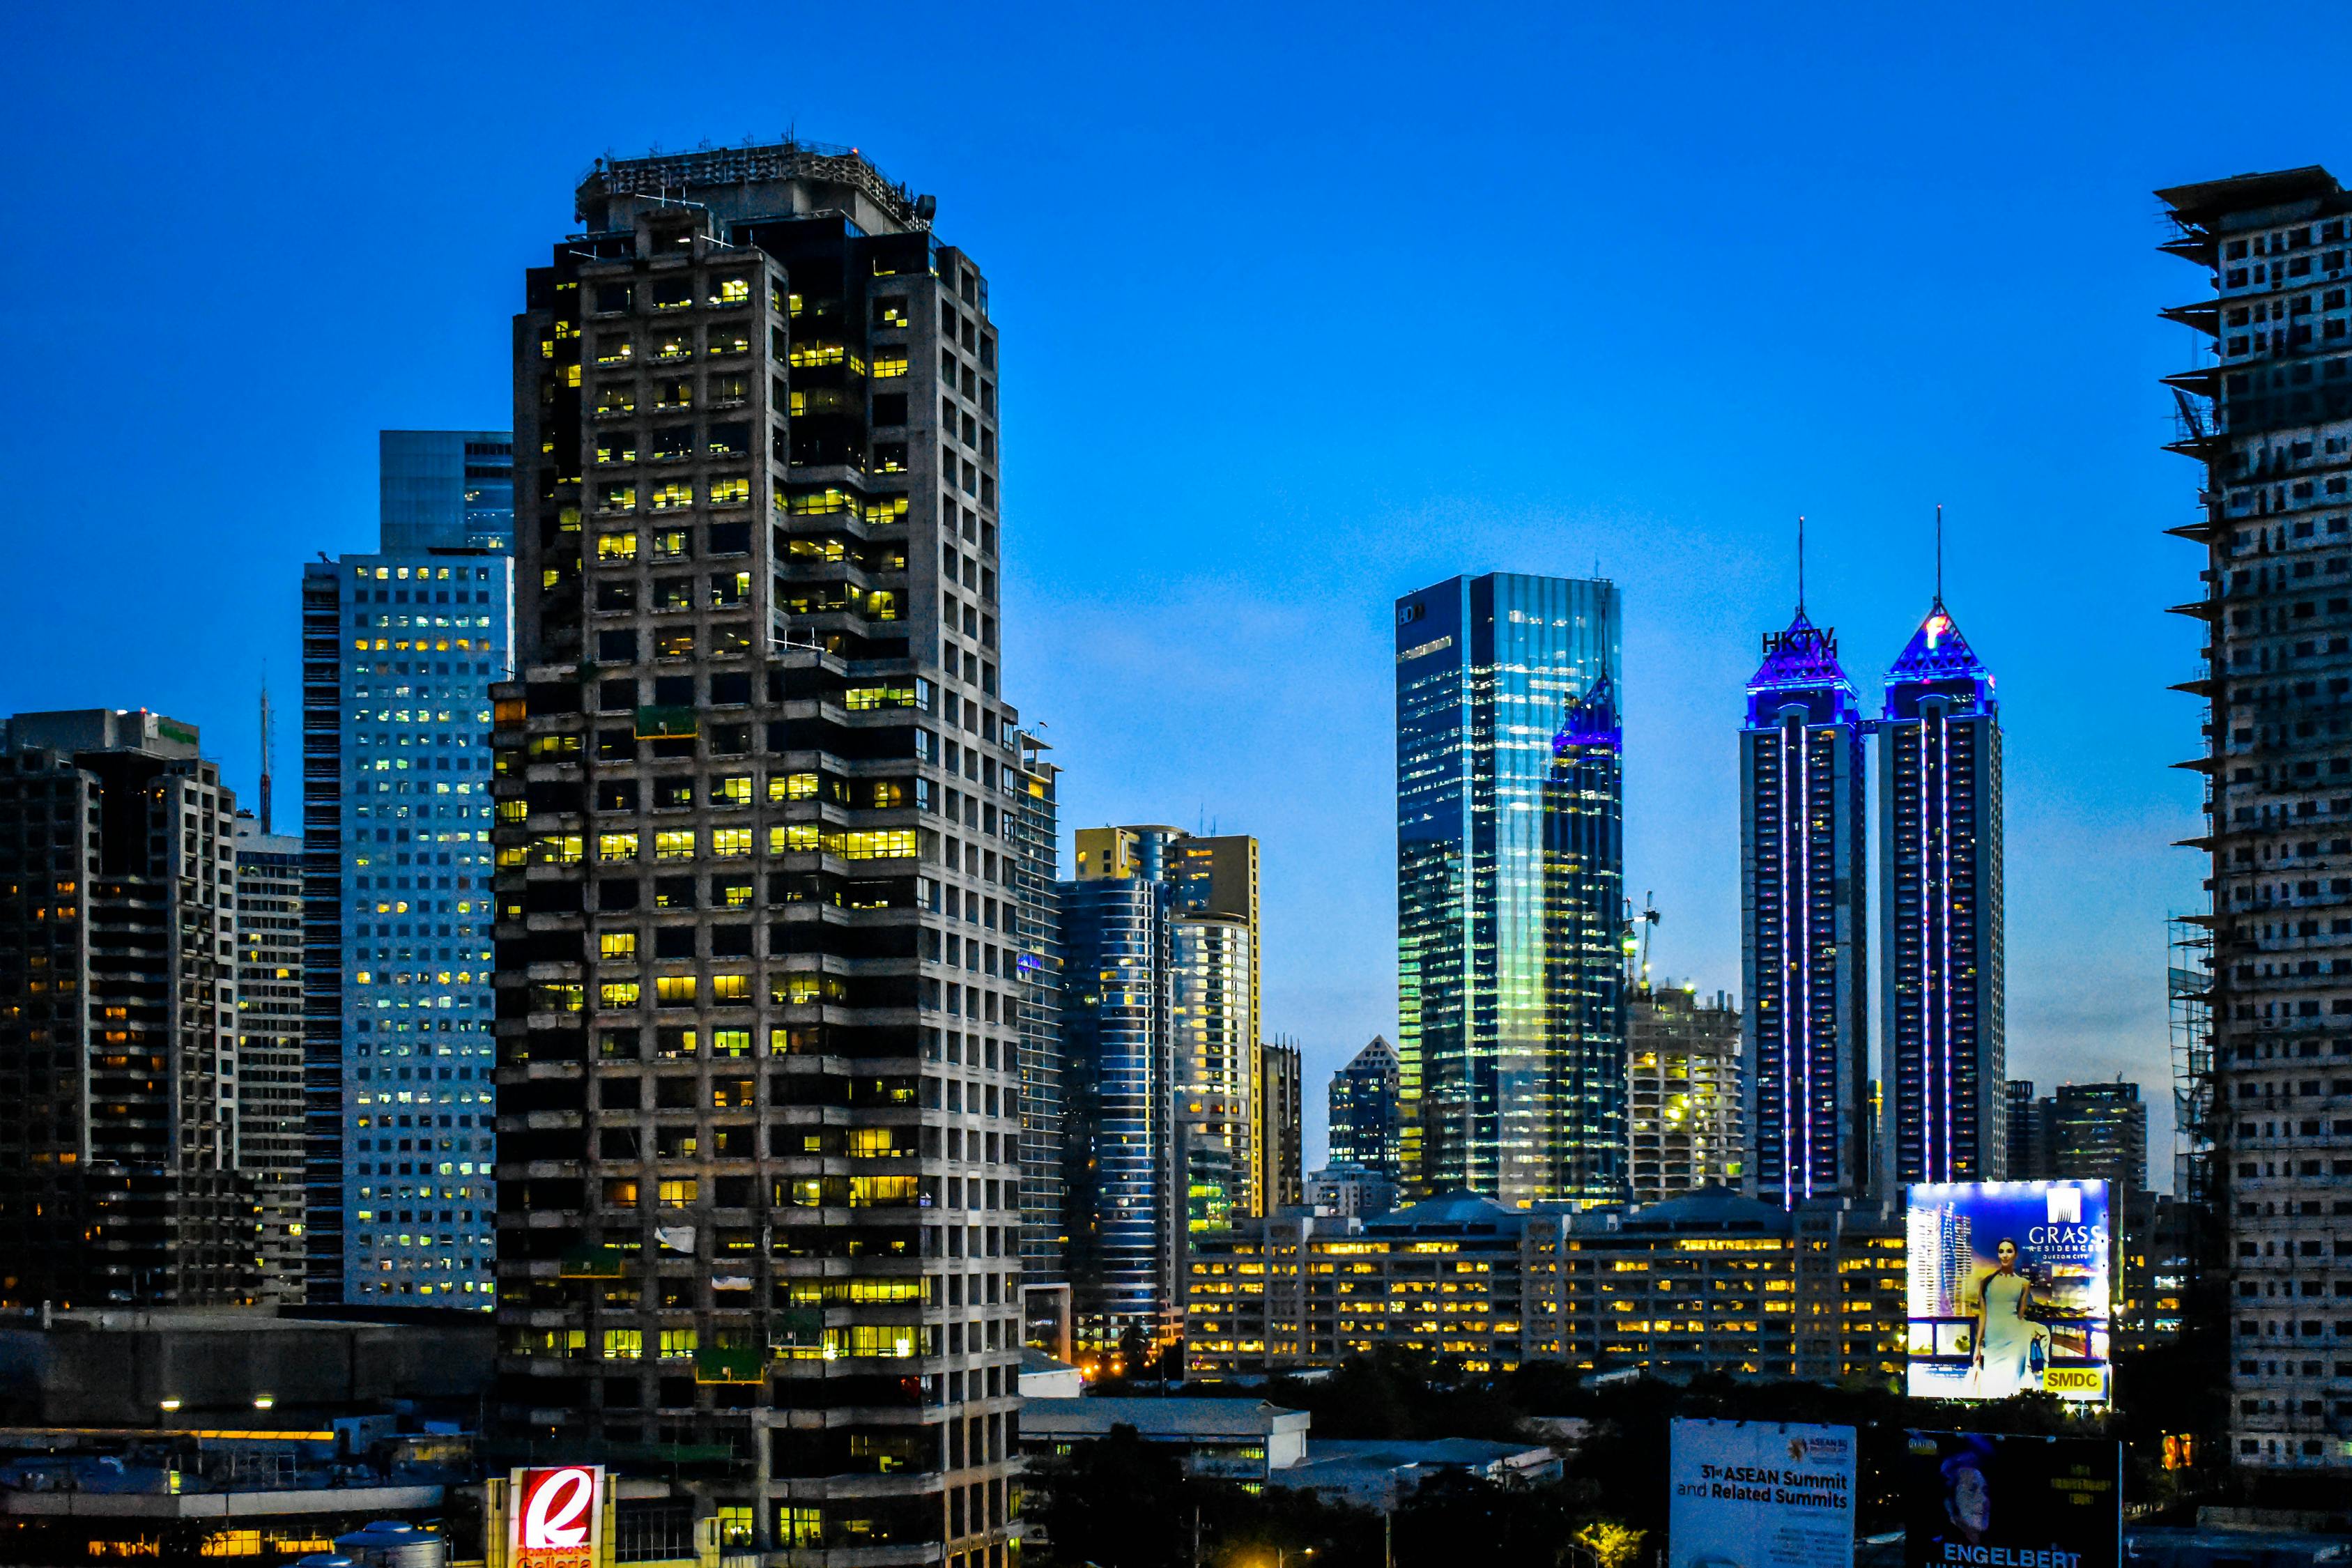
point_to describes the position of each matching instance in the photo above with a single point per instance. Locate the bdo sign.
(555, 1517)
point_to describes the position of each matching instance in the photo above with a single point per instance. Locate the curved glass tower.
(1509, 878)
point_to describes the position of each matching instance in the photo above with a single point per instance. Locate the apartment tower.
(1037, 940)
(759, 845)
(1939, 928)
(400, 646)
(2266, 412)
(1511, 1054)
(120, 1096)
(269, 1079)
(1282, 1154)
(1804, 909)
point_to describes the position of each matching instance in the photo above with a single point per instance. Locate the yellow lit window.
(730, 1042)
(616, 547)
(735, 894)
(881, 604)
(616, 846)
(673, 843)
(730, 291)
(677, 1193)
(556, 849)
(617, 445)
(794, 838)
(617, 944)
(888, 843)
(882, 1192)
(889, 361)
(886, 509)
(617, 994)
(734, 338)
(734, 491)
(673, 495)
(734, 989)
(733, 789)
(862, 699)
(614, 351)
(670, 544)
(619, 498)
(791, 786)
(729, 843)
(799, 988)
(674, 991)
(624, 1344)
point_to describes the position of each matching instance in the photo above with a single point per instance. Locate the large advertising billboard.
(1759, 1494)
(2008, 1289)
(1973, 1500)
(555, 1517)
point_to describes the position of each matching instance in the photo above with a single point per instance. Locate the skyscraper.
(1685, 1089)
(1122, 1164)
(2099, 1132)
(1804, 912)
(1279, 1130)
(759, 850)
(400, 648)
(269, 1123)
(1940, 955)
(120, 1178)
(1038, 939)
(1367, 1130)
(2269, 421)
(1509, 888)
(2028, 1135)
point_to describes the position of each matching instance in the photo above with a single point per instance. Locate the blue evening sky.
(1303, 307)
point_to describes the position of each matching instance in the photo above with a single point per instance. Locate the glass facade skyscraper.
(400, 648)
(1804, 922)
(1940, 999)
(1510, 887)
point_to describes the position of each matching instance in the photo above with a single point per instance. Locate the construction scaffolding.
(2188, 987)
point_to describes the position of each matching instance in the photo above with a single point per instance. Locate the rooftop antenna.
(1939, 552)
(264, 749)
(1800, 563)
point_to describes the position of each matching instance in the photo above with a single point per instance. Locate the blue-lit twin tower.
(1817, 1129)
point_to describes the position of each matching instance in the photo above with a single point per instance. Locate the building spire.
(1801, 565)
(1939, 552)
(265, 750)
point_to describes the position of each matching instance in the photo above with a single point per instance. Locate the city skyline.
(1700, 551)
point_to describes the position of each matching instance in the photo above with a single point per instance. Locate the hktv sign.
(555, 1518)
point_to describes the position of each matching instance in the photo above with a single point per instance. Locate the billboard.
(1971, 1500)
(2008, 1289)
(555, 1517)
(1759, 1494)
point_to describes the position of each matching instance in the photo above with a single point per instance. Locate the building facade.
(120, 1110)
(2266, 413)
(270, 1107)
(759, 1015)
(1708, 1282)
(1367, 1127)
(1120, 1153)
(1686, 1106)
(2027, 1132)
(1509, 888)
(1280, 1129)
(2098, 1132)
(1942, 993)
(401, 646)
(1804, 924)
(1038, 913)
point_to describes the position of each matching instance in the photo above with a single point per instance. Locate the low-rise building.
(1244, 1440)
(1708, 1282)
(1378, 1475)
(1351, 1192)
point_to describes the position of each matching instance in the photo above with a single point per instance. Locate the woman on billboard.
(2007, 1358)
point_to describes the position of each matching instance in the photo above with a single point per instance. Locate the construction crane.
(1639, 949)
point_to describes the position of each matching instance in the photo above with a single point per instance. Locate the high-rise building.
(1216, 1070)
(120, 1089)
(400, 648)
(1685, 1102)
(1804, 936)
(1367, 1128)
(1280, 1129)
(1037, 931)
(2099, 1132)
(2268, 417)
(2028, 1133)
(271, 1110)
(759, 1021)
(1510, 888)
(1122, 1160)
(1941, 996)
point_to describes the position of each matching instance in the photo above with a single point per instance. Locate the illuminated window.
(617, 943)
(888, 843)
(613, 994)
(791, 786)
(556, 849)
(733, 789)
(624, 1344)
(616, 846)
(730, 843)
(672, 544)
(728, 291)
(617, 445)
(673, 843)
(616, 397)
(618, 497)
(674, 991)
(733, 895)
(730, 492)
(616, 547)
(614, 350)
(796, 838)
(730, 1042)
(889, 361)
(673, 495)
(677, 1192)
(729, 338)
